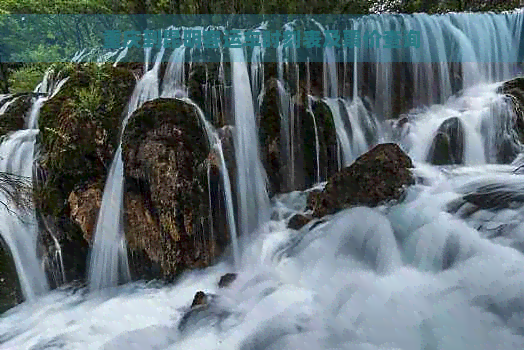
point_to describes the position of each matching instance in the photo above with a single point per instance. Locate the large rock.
(448, 144)
(79, 130)
(167, 205)
(375, 177)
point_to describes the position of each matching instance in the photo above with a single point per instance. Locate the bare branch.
(17, 190)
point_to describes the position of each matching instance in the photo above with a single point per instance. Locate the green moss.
(160, 112)
(14, 117)
(79, 131)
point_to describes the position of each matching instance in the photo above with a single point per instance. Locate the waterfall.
(108, 264)
(484, 115)
(216, 145)
(251, 179)
(441, 269)
(19, 227)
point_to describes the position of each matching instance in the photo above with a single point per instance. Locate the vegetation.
(79, 130)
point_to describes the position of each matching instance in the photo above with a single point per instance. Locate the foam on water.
(410, 276)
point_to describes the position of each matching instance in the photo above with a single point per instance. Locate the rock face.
(514, 88)
(307, 126)
(509, 146)
(375, 177)
(84, 204)
(448, 144)
(167, 205)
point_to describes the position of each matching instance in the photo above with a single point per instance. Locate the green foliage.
(26, 78)
(79, 130)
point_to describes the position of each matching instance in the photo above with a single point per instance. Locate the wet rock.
(200, 299)
(226, 280)
(167, 196)
(14, 118)
(375, 177)
(62, 239)
(514, 89)
(204, 310)
(448, 144)
(84, 204)
(10, 289)
(288, 148)
(298, 221)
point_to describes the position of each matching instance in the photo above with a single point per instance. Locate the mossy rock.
(167, 224)
(15, 116)
(79, 131)
(327, 139)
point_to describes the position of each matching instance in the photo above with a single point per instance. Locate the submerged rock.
(200, 299)
(298, 221)
(167, 196)
(375, 177)
(448, 144)
(226, 280)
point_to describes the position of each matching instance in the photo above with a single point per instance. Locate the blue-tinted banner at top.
(282, 38)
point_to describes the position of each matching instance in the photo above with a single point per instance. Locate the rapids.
(444, 269)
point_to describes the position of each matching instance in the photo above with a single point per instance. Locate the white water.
(409, 277)
(108, 263)
(18, 225)
(251, 179)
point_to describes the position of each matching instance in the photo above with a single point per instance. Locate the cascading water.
(108, 264)
(254, 201)
(441, 270)
(19, 227)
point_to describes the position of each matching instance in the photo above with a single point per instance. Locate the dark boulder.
(448, 144)
(168, 215)
(226, 280)
(200, 299)
(375, 177)
(298, 221)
